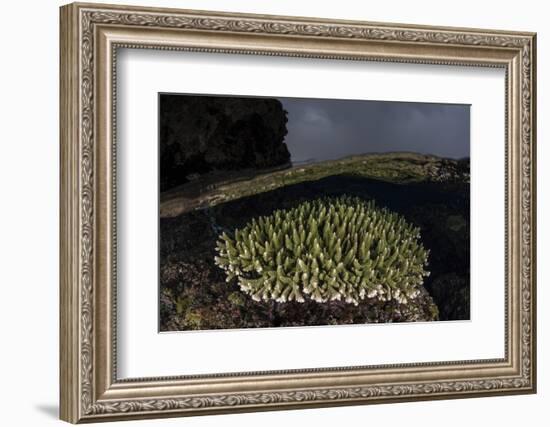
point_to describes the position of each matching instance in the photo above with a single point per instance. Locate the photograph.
(285, 212)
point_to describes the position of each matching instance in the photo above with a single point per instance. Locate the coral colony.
(328, 249)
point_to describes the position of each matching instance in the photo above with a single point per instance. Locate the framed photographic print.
(266, 212)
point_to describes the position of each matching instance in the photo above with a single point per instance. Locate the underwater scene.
(279, 212)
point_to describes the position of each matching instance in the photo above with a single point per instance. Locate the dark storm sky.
(325, 129)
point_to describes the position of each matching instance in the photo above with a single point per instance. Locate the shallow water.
(194, 294)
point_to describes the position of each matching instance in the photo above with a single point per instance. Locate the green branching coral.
(326, 249)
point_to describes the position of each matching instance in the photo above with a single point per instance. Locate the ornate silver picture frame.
(91, 35)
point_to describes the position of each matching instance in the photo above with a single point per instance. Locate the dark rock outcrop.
(202, 134)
